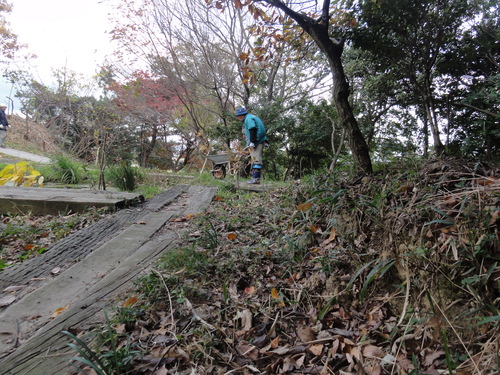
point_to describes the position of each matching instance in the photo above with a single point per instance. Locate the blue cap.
(241, 111)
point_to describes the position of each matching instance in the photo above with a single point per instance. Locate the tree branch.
(477, 109)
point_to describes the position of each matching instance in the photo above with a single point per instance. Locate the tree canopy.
(392, 79)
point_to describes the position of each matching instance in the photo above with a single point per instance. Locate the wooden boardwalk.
(97, 264)
(44, 201)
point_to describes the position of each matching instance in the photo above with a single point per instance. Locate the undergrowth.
(393, 273)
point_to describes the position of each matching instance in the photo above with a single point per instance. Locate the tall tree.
(410, 39)
(8, 40)
(147, 105)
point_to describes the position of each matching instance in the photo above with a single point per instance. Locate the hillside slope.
(27, 135)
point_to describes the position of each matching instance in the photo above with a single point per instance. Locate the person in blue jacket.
(4, 124)
(255, 133)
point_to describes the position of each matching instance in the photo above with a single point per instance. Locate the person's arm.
(253, 135)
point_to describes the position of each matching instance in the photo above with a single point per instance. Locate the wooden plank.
(124, 257)
(73, 248)
(44, 201)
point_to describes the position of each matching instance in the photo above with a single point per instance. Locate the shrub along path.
(75, 279)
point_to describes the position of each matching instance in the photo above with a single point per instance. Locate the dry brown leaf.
(131, 301)
(431, 357)
(248, 351)
(274, 293)
(372, 351)
(275, 342)
(289, 364)
(7, 300)
(305, 334)
(316, 350)
(231, 236)
(375, 369)
(246, 319)
(13, 288)
(282, 350)
(333, 234)
(161, 371)
(249, 290)
(304, 206)
(120, 328)
(59, 311)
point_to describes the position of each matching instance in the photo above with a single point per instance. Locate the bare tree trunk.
(336, 150)
(431, 117)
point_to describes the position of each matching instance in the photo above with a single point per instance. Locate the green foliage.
(189, 258)
(124, 176)
(115, 359)
(66, 171)
(21, 174)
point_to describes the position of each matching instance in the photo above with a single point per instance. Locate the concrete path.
(24, 155)
(94, 267)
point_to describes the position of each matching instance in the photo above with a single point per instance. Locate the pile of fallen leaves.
(26, 236)
(397, 273)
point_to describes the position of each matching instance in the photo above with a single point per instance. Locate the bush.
(66, 171)
(124, 176)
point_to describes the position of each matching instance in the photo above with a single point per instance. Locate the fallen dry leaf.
(59, 311)
(131, 301)
(274, 293)
(305, 334)
(7, 300)
(161, 371)
(304, 206)
(13, 288)
(372, 351)
(249, 290)
(316, 350)
(248, 351)
(246, 319)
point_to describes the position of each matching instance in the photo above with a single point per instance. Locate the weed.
(148, 191)
(117, 356)
(380, 267)
(210, 239)
(124, 176)
(66, 171)
(187, 258)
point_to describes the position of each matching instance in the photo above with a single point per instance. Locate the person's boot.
(255, 177)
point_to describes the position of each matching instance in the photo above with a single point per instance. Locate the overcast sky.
(62, 33)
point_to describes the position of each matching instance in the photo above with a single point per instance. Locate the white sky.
(61, 33)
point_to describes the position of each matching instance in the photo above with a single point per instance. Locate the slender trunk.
(433, 125)
(357, 142)
(425, 132)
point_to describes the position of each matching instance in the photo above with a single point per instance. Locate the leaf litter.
(397, 273)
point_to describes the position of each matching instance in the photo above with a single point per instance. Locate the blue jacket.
(3, 118)
(255, 131)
